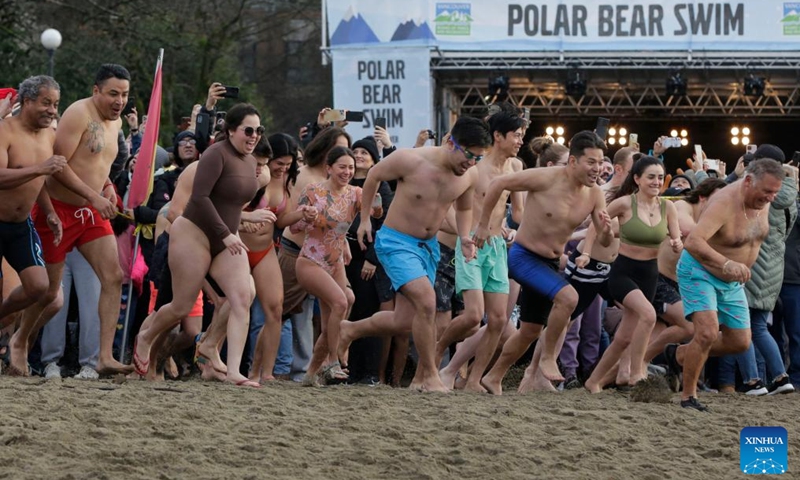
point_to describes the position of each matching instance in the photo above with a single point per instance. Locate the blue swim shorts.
(703, 292)
(406, 258)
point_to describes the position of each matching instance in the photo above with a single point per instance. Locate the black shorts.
(667, 293)
(589, 281)
(445, 285)
(20, 245)
(383, 285)
(628, 275)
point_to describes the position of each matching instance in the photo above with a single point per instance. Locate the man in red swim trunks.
(83, 199)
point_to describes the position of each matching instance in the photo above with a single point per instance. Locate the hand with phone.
(381, 135)
(658, 146)
(671, 142)
(132, 118)
(215, 92)
(7, 98)
(601, 129)
(422, 138)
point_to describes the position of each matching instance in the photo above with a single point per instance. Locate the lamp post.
(51, 40)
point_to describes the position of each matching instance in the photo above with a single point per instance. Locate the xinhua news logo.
(763, 450)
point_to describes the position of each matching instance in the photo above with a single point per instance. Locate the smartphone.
(672, 142)
(352, 116)
(231, 92)
(796, 159)
(698, 153)
(129, 106)
(712, 165)
(380, 122)
(751, 148)
(333, 115)
(633, 139)
(526, 113)
(431, 135)
(601, 129)
(5, 91)
(202, 125)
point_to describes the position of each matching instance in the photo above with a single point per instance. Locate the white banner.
(394, 84)
(567, 25)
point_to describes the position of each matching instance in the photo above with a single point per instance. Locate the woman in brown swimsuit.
(203, 241)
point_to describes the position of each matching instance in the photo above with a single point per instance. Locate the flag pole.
(125, 324)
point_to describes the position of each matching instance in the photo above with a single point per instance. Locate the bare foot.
(18, 360)
(475, 387)
(209, 373)
(536, 383)
(460, 383)
(634, 380)
(592, 387)
(242, 381)
(623, 378)
(345, 339)
(267, 378)
(430, 385)
(171, 368)
(549, 369)
(205, 355)
(112, 367)
(492, 385)
(447, 378)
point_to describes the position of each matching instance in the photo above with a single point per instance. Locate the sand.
(75, 429)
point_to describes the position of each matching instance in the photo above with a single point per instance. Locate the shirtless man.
(484, 281)
(558, 200)
(714, 267)
(26, 159)
(83, 199)
(429, 180)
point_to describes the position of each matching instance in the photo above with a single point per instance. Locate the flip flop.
(203, 361)
(139, 366)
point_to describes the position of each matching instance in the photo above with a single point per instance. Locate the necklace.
(745, 211)
(649, 210)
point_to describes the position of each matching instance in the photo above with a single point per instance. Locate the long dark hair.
(704, 190)
(629, 185)
(318, 149)
(284, 145)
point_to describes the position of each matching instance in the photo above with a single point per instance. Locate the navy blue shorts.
(20, 245)
(540, 280)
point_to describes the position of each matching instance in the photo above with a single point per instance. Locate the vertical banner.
(391, 83)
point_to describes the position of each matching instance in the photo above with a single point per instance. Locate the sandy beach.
(74, 429)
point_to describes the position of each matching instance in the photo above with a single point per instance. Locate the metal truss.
(613, 99)
(704, 60)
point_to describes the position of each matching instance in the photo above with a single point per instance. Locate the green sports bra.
(636, 232)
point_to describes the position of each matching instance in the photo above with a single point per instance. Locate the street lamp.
(51, 40)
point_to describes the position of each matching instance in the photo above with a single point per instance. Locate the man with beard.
(83, 199)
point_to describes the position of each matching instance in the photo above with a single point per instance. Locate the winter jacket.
(791, 270)
(767, 273)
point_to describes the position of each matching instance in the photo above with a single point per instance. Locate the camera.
(431, 135)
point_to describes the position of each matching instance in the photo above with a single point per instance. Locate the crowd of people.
(319, 259)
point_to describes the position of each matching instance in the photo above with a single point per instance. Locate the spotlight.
(498, 86)
(576, 85)
(612, 140)
(735, 131)
(740, 135)
(676, 84)
(623, 131)
(745, 131)
(613, 131)
(561, 140)
(549, 130)
(735, 140)
(623, 140)
(684, 141)
(673, 133)
(684, 133)
(754, 86)
(745, 140)
(559, 130)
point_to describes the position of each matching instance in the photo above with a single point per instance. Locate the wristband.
(584, 254)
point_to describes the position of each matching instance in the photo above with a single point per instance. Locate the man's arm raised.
(68, 139)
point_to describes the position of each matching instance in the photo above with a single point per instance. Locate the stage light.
(684, 141)
(745, 140)
(735, 131)
(623, 140)
(745, 131)
(684, 133)
(559, 130)
(740, 135)
(754, 86)
(576, 85)
(612, 140)
(673, 133)
(676, 84)
(612, 131)
(623, 131)
(735, 140)
(550, 130)
(561, 140)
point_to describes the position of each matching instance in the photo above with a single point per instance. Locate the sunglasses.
(249, 131)
(187, 142)
(467, 153)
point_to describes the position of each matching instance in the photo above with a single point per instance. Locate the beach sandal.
(334, 373)
(139, 366)
(202, 360)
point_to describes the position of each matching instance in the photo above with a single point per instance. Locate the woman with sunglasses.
(203, 241)
(320, 266)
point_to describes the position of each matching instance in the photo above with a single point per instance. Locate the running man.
(429, 180)
(713, 268)
(484, 281)
(26, 159)
(84, 200)
(558, 200)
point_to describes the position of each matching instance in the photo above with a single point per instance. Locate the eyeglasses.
(467, 153)
(249, 131)
(186, 142)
